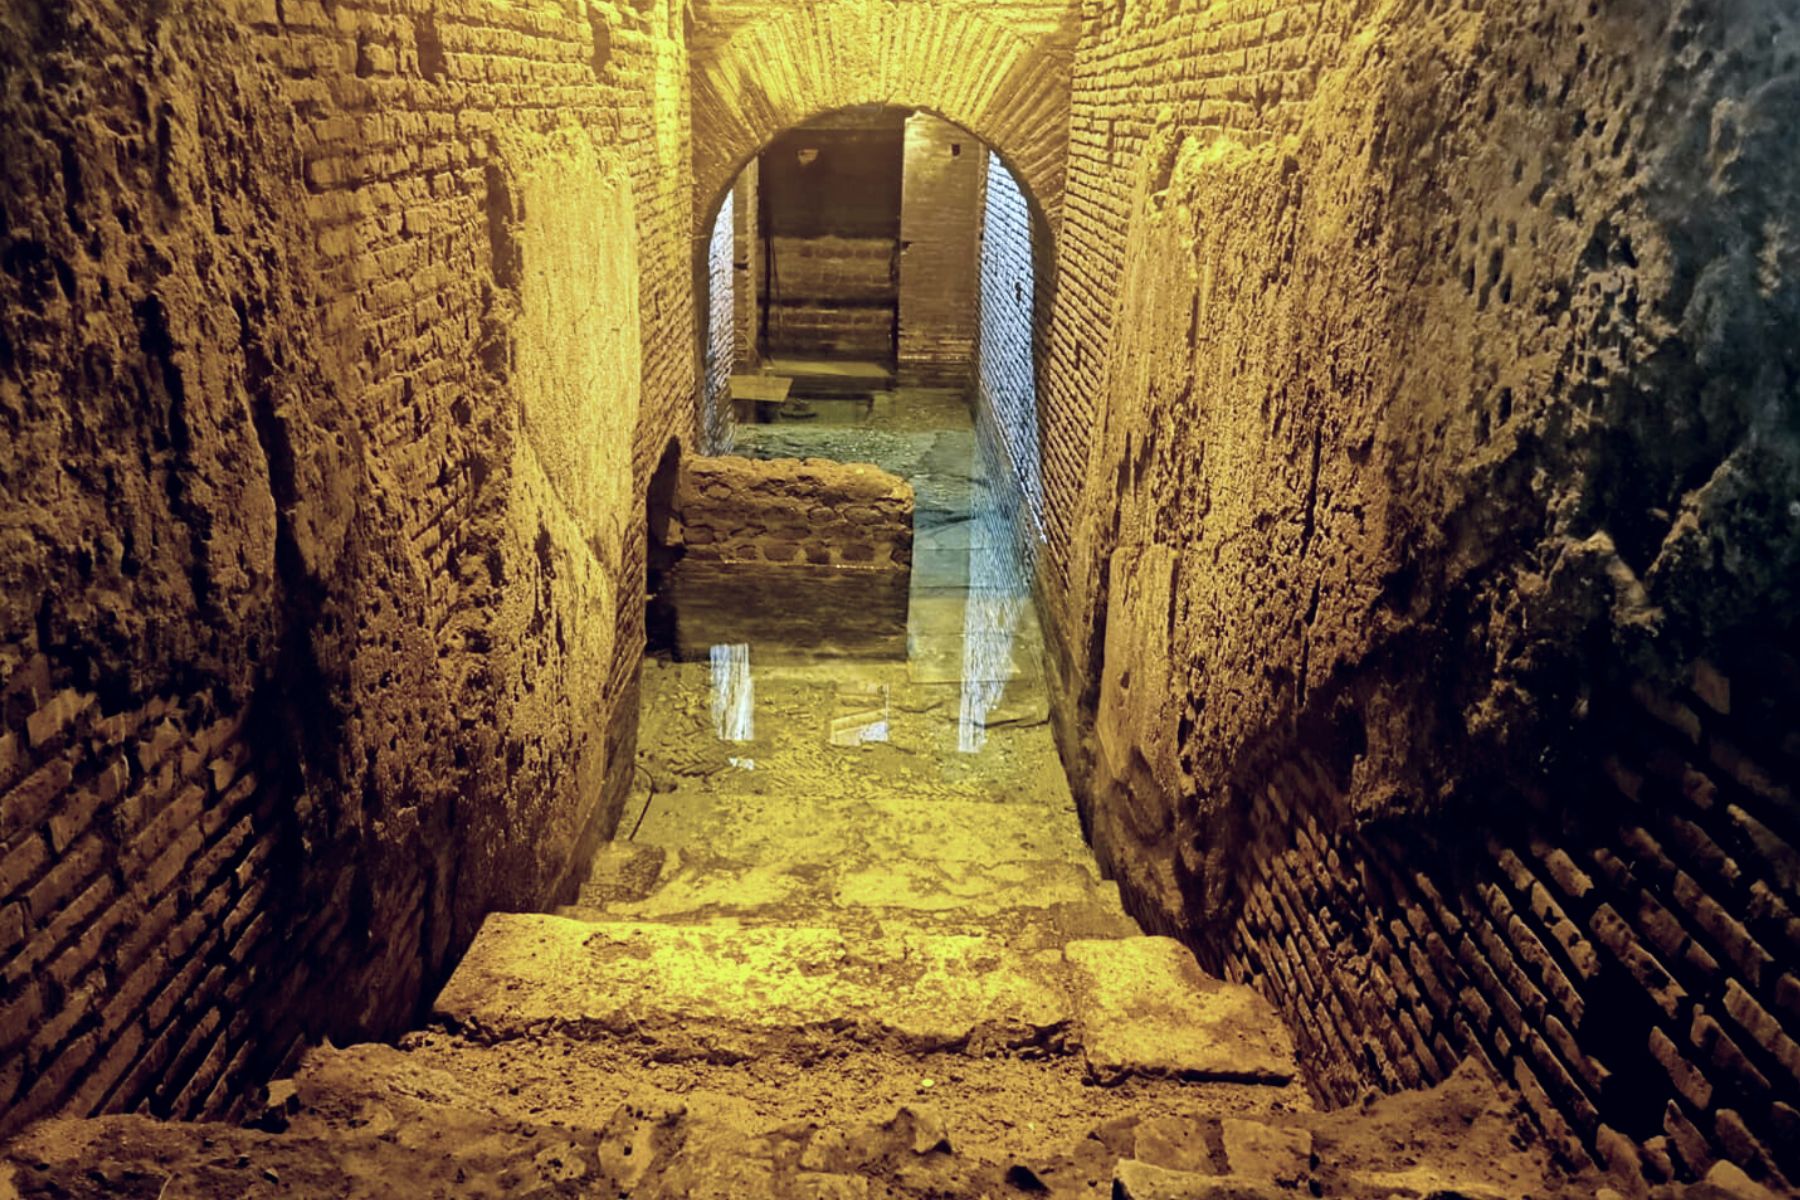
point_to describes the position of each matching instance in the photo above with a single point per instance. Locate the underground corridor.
(850, 599)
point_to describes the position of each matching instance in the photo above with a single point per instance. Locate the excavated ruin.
(833, 599)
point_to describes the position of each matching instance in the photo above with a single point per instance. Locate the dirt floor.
(553, 1116)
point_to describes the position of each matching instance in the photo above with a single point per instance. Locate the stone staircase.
(729, 960)
(809, 1026)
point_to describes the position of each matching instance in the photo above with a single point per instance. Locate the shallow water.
(814, 703)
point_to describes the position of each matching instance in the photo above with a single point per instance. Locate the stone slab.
(1134, 1180)
(872, 828)
(726, 991)
(1146, 1008)
(1258, 1151)
(773, 388)
(1174, 1142)
(699, 886)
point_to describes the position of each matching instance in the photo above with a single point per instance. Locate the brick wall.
(794, 513)
(1006, 80)
(796, 559)
(1006, 376)
(304, 598)
(1399, 489)
(939, 215)
(749, 267)
(1626, 960)
(832, 295)
(721, 325)
(1246, 71)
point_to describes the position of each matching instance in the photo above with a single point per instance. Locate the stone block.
(1134, 1180)
(1173, 1143)
(1258, 1151)
(1146, 1008)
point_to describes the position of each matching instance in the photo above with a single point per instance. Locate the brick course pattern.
(1413, 439)
(749, 265)
(721, 353)
(998, 69)
(1007, 352)
(1626, 961)
(832, 295)
(793, 512)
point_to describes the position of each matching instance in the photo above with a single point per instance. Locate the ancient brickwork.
(1627, 961)
(721, 326)
(1000, 70)
(940, 212)
(1006, 376)
(1403, 419)
(793, 512)
(1244, 70)
(305, 595)
(747, 287)
(832, 295)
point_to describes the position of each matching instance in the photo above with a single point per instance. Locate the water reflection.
(939, 679)
(863, 714)
(733, 694)
(996, 607)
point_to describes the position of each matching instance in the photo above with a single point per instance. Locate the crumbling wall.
(1418, 430)
(796, 559)
(312, 550)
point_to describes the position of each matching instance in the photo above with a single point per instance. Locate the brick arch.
(947, 59)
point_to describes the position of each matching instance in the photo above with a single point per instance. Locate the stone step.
(1024, 905)
(729, 991)
(650, 882)
(873, 827)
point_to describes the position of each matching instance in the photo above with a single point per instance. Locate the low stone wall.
(794, 513)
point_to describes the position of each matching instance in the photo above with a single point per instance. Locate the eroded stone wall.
(319, 506)
(1419, 457)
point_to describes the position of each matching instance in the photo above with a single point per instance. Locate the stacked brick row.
(1626, 962)
(1006, 360)
(747, 287)
(137, 857)
(998, 70)
(794, 513)
(832, 295)
(721, 332)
